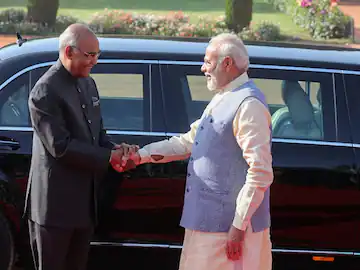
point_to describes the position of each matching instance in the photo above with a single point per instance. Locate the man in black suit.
(71, 153)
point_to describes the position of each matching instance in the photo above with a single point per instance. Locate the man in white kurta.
(225, 66)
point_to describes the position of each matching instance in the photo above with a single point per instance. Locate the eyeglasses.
(88, 54)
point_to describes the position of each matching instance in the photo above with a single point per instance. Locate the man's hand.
(128, 149)
(126, 153)
(234, 243)
(116, 159)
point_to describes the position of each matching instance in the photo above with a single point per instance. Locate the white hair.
(231, 45)
(71, 35)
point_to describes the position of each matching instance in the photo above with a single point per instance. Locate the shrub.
(62, 22)
(264, 31)
(174, 24)
(30, 28)
(14, 20)
(268, 31)
(24, 28)
(322, 18)
(12, 15)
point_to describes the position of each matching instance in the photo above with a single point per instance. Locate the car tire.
(7, 246)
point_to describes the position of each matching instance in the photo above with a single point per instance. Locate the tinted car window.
(301, 103)
(14, 110)
(295, 99)
(123, 89)
(14, 102)
(352, 85)
(288, 100)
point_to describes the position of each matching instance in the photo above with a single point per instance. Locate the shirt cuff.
(239, 223)
(144, 156)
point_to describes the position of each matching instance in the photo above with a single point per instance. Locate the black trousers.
(56, 248)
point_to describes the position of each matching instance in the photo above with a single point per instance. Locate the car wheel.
(7, 247)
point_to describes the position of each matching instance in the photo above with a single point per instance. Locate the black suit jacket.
(70, 153)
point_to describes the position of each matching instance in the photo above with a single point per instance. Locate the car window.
(121, 98)
(122, 89)
(301, 103)
(295, 108)
(352, 85)
(295, 100)
(14, 111)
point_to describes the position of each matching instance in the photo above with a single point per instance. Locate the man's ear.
(69, 52)
(228, 62)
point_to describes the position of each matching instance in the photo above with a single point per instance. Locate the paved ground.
(4, 40)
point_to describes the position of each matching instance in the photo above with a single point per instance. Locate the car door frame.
(155, 130)
(350, 80)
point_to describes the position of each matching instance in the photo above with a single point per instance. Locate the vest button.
(196, 143)
(189, 174)
(211, 120)
(191, 159)
(201, 127)
(187, 189)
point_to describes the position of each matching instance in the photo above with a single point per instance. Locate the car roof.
(311, 54)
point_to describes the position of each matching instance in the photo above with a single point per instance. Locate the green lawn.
(84, 9)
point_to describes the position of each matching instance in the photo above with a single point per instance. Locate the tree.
(238, 14)
(43, 11)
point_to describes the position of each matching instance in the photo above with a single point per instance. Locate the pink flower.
(306, 3)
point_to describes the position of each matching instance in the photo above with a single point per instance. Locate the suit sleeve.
(104, 139)
(49, 124)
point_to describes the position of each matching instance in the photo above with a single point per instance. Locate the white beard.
(212, 83)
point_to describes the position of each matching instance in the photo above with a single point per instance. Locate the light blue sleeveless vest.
(217, 170)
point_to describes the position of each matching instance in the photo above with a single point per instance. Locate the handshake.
(124, 157)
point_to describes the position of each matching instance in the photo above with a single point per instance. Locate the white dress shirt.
(251, 130)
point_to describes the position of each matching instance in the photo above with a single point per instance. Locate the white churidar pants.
(207, 251)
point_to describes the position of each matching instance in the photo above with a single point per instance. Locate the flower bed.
(174, 24)
(322, 18)
(112, 22)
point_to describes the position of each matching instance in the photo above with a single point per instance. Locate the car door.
(185, 97)
(136, 206)
(15, 127)
(313, 191)
(351, 82)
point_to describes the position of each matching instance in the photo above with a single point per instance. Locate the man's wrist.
(239, 223)
(144, 156)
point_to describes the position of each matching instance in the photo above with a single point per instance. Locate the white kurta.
(207, 251)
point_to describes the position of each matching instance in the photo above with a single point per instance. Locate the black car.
(153, 89)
